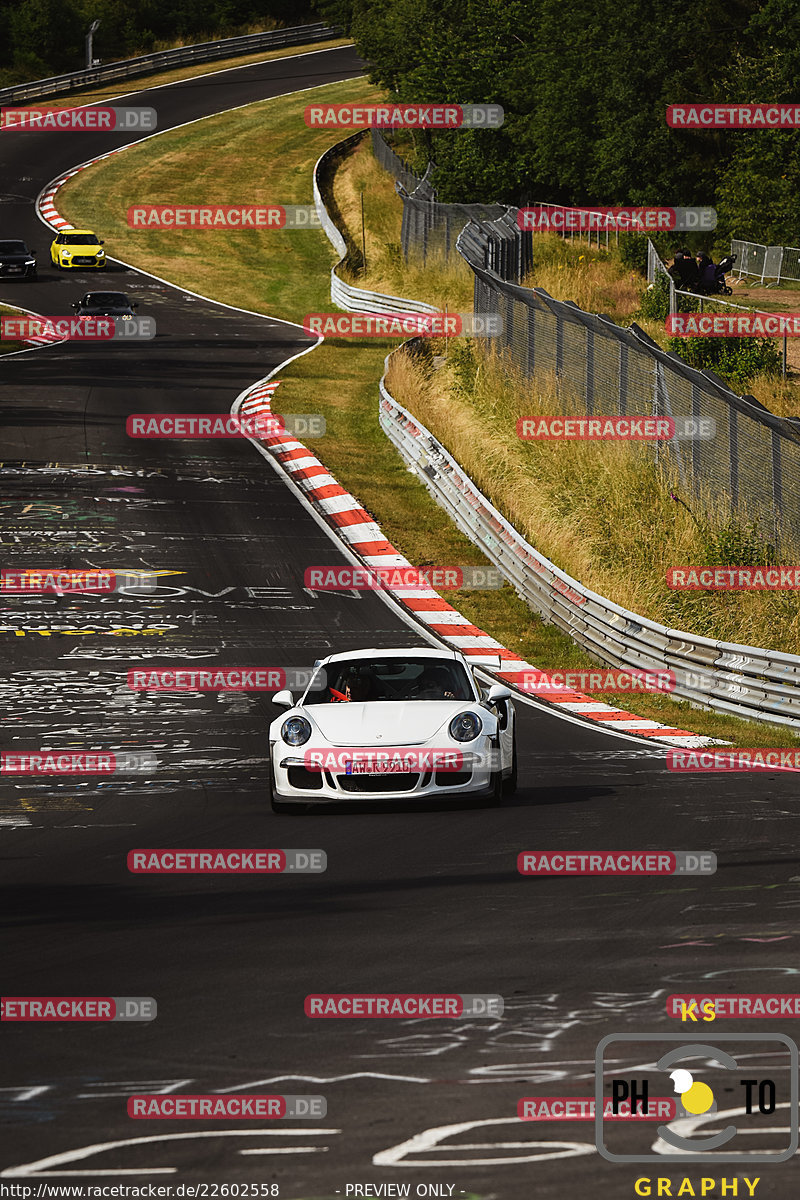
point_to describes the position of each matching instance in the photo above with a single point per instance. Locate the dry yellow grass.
(601, 511)
(594, 280)
(443, 284)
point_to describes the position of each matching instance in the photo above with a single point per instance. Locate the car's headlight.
(465, 727)
(66, 253)
(100, 253)
(30, 262)
(296, 731)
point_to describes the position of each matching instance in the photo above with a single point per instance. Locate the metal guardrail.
(148, 64)
(346, 295)
(740, 680)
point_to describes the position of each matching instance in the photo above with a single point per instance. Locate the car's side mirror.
(283, 699)
(134, 306)
(102, 243)
(498, 692)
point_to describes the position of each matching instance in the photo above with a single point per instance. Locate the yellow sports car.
(78, 249)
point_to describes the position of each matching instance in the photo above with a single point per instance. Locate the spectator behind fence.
(684, 270)
(707, 271)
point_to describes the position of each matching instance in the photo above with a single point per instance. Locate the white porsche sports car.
(400, 724)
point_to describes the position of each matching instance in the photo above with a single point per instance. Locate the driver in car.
(356, 687)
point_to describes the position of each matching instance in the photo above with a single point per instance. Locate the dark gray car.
(16, 260)
(104, 304)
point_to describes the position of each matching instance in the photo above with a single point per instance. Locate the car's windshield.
(13, 248)
(94, 299)
(79, 239)
(362, 680)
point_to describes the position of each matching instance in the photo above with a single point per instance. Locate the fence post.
(733, 454)
(531, 358)
(589, 372)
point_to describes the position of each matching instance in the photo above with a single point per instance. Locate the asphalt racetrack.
(412, 901)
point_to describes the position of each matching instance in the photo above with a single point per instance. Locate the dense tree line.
(40, 38)
(585, 86)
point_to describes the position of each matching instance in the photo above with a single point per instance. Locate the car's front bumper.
(82, 263)
(293, 782)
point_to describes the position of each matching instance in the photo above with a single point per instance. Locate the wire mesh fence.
(750, 466)
(751, 463)
(430, 229)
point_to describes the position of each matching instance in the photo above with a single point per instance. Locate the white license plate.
(380, 768)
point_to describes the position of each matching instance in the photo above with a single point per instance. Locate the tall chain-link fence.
(753, 457)
(430, 229)
(751, 464)
(403, 172)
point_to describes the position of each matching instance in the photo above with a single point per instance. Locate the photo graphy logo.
(753, 1073)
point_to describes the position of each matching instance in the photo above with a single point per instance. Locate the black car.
(104, 304)
(16, 260)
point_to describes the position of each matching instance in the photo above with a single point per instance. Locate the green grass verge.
(265, 153)
(10, 347)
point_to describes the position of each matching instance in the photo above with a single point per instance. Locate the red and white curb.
(45, 201)
(361, 533)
